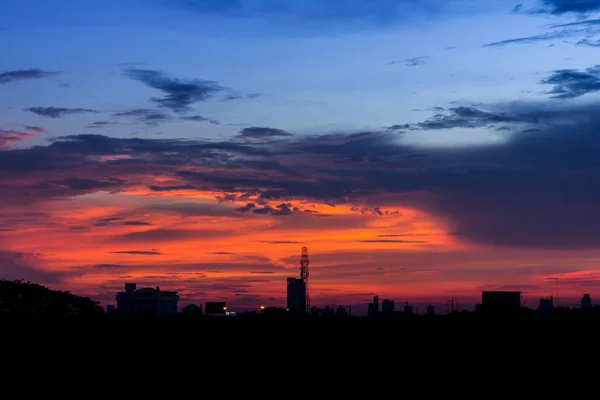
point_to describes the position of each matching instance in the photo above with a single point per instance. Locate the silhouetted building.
(546, 306)
(146, 301)
(296, 295)
(586, 301)
(110, 308)
(275, 311)
(430, 310)
(192, 309)
(323, 312)
(387, 306)
(373, 308)
(341, 311)
(408, 309)
(215, 307)
(500, 301)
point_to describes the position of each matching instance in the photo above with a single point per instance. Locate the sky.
(420, 150)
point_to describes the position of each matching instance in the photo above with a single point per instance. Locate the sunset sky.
(421, 150)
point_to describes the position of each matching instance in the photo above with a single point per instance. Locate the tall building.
(146, 301)
(373, 308)
(407, 309)
(387, 306)
(297, 288)
(586, 301)
(546, 306)
(430, 310)
(296, 295)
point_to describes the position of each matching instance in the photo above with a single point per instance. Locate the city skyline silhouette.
(423, 151)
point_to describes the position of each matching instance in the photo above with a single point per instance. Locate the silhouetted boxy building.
(373, 308)
(192, 309)
(215, 307)
(586, 301)
(387, 306)
(500, 301)
(430, 310)
(146, 301)
(546, 306)
(296, 295)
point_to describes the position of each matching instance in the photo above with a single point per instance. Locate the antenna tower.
(304, 275)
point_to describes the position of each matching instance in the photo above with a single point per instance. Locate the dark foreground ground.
(249, 345)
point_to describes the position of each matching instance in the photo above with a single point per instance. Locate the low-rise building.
(146, 301)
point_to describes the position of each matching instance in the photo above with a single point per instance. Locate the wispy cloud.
(256, 132)
(138, 252)
(571, 83)
(561, 34)
(561, 7)
(8, 138)
(57, 112)
(412, 62)
(179, 94)
(26, 74)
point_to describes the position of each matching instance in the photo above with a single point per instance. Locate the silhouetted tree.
(20, 299)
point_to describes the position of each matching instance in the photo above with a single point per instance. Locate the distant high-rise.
(387, 306)
(586, 301)
(373, 308)
(296, 295)
(297, 288)
(408, 309)
(430, 310)
(546, 306)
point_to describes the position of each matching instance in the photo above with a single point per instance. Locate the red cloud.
(37, 129)
(8, 137)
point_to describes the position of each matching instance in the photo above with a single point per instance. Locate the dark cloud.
(179, 94)
(110, 266)
(539, 188)
(57, 112)
(19, 75)
(149, 117)
(560, 7)
(474, 117)
(83, 184)
(138, 252)
(589, 43)
(256, 132)
(571, 83)
(279, 210)
(101, 124)
(391, 241)
(26, 266)
(199, 118)
(137, 223)
(171, 188)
